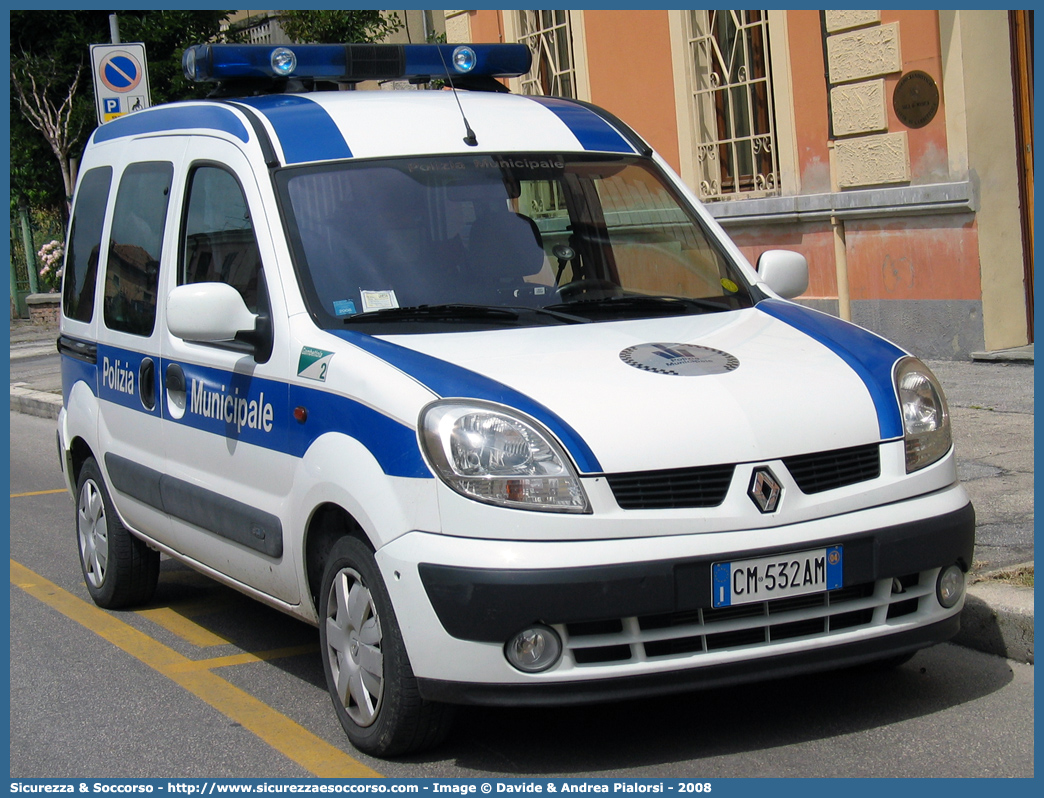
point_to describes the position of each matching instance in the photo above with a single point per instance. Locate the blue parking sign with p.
(112, 105)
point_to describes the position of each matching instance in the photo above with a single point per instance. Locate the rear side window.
(85, 233)
(219, 241)
(132, 274)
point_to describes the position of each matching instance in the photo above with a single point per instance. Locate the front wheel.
(119, 569)
(367, 670)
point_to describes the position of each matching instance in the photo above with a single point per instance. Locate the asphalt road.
(190, 687)
(991, 408)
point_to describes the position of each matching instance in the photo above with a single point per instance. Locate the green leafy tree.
(324, 27)
(52, 102)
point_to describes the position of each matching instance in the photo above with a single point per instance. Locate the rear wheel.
(119, 569)
(367, 670)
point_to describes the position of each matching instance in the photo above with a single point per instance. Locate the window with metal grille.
(732, 111)
(549, 37)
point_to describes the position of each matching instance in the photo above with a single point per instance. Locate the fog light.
(534, 649)
(950, 586)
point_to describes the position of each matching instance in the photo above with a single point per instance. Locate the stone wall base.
(44, 308)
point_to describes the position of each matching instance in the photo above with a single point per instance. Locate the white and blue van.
(473, 383)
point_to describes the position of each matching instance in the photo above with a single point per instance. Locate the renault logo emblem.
(765, 490)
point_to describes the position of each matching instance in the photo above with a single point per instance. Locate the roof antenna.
(470, 138)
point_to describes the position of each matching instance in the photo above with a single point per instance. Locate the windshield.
(484, 241)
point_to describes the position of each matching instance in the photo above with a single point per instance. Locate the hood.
(773, 381)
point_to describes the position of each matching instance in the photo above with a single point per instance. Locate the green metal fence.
(30, 230)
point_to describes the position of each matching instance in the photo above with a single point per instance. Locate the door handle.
(147, 383)
(174, 380)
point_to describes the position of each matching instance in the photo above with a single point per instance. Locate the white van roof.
(336, 125)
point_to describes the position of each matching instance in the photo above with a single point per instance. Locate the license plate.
(780, 576)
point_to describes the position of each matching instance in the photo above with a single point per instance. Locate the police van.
(472, 382)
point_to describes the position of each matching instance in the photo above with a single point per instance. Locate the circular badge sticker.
(680, 360)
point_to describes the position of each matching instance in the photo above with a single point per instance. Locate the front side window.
(85, 242)
(219, 243)
(732, 110)
(513, 239)
(136, 241)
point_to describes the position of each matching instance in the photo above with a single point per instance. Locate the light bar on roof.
(213, 63)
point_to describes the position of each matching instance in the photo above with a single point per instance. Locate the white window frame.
(527, 27)
(694, 53)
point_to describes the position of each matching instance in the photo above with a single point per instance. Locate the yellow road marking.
(189, 631)
(192, 608)
(284, 735)
(39, 493)
(248, 657)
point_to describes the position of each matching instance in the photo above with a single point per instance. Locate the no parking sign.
(121, 79)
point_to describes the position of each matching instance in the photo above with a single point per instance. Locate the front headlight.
(496, 455)
(926, 419)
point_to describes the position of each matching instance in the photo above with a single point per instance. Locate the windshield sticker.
(378, 300)
(344, 307)
(680, 360)
(729, 286)
(314, 363)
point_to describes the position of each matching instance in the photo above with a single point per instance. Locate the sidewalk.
(997, 617)
(36, 389)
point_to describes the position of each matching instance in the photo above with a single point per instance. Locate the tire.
(119, 569)
(367, 669)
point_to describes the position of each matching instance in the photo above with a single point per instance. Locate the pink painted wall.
(928, 257)
(815, 242)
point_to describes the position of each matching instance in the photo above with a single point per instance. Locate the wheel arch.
(329, 522)
(76, 455)
(342, 491)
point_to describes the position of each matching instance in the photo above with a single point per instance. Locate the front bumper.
(635, 616)
(723, 675)
(491, 604)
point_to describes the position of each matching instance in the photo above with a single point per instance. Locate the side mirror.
(208, 312)
(785, 272)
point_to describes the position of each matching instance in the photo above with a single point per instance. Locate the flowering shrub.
(51, 256)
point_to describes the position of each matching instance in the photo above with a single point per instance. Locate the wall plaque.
(916, 99)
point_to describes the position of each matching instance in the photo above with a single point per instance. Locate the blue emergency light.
(349, 63)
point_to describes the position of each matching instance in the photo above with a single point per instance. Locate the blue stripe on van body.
(225, 403)
(171, 118)
(593, 132)
(75, 370)
(233, 405)
(448, 381)
(304, 128)
(868, 355)
(118, 372)
(393, 444)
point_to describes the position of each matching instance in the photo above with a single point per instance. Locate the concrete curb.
(998, 619)
(35, 403)
(1020, 354)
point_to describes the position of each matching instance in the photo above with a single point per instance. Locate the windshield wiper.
(569, 318)
(461, 312)
(450, 312)
(661, 305)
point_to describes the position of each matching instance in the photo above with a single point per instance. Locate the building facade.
(892, 148)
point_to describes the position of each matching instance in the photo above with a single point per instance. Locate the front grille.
(695, 632)
(815, 473)
(705, 486)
